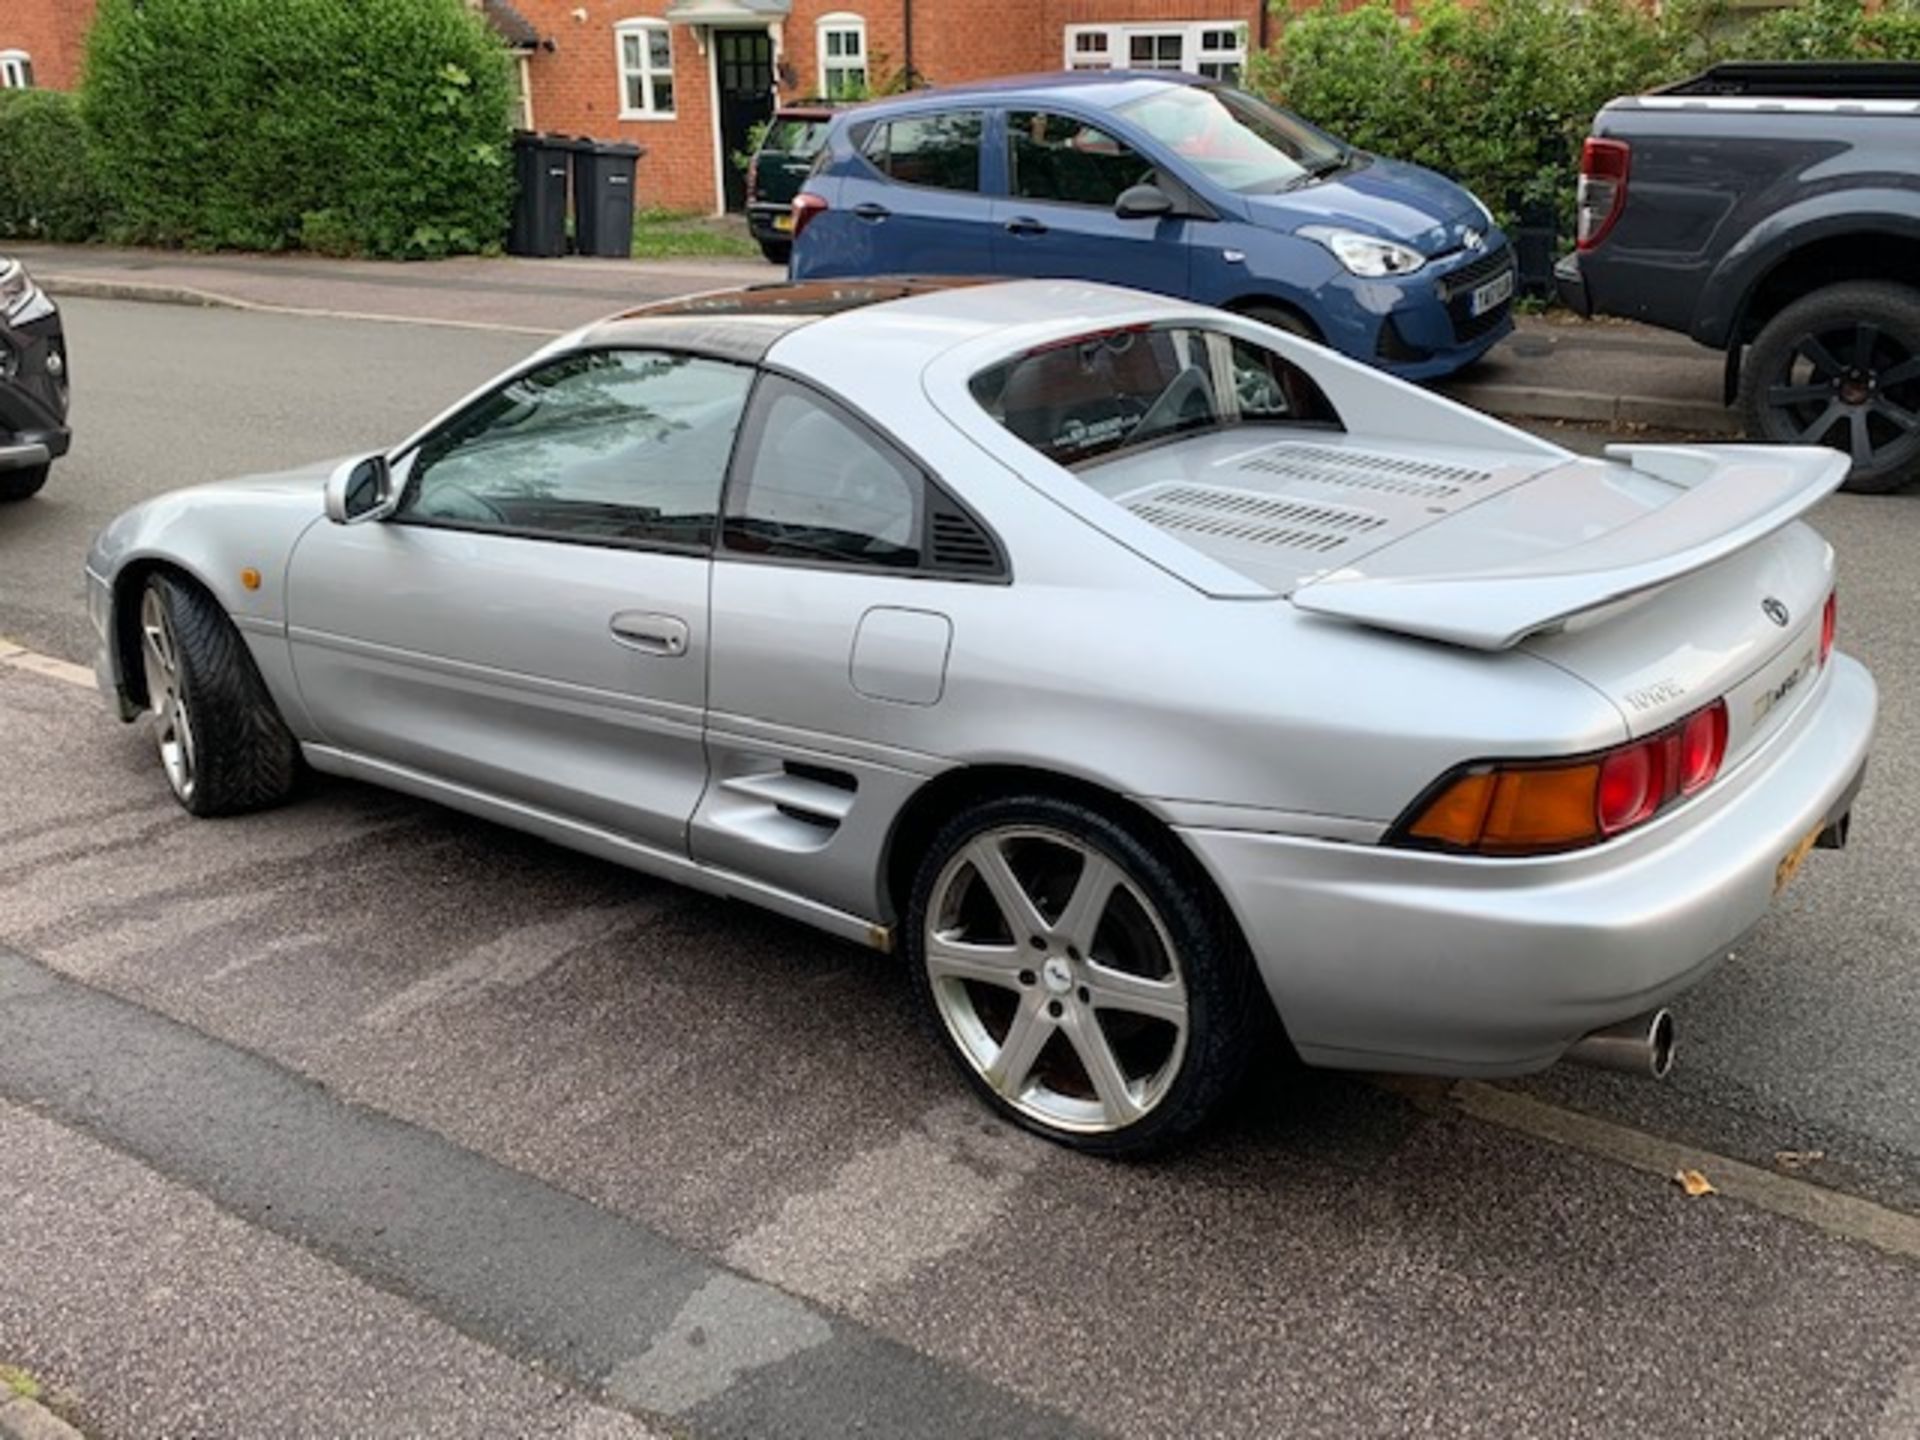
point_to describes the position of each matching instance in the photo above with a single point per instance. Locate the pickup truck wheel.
(1841, 367)
(778, 252)
(19, 484)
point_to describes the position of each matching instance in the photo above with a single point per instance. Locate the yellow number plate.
(783, 222)
(1790, 863)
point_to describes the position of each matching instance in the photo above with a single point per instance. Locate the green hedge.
(377, 127)
(1499, 94)
(48, 189)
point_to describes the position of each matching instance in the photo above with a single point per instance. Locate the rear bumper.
(763, 222)
(1385, 959)
(1571, 285)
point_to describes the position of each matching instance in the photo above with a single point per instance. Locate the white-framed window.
(1214, 48)
(1089, 48)
(1223, 52)
(843, 54)
(646, 69)
(16, 70)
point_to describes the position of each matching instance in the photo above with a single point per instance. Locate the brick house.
(688, 79)
(41, 42)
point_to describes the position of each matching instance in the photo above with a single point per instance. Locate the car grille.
(1456, 290)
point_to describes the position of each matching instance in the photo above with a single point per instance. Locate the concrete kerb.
(1512, 402)
(85, 287)
(24, 1419)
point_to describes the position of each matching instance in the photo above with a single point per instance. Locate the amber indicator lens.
(1527, 807)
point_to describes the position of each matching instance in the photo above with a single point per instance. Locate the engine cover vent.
(1341, 469)
(1251, 519)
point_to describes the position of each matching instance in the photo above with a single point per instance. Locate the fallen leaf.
(1693, 1182)
(1797, 1159)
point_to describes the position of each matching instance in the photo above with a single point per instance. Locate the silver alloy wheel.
(173, 723)
(1057, 979)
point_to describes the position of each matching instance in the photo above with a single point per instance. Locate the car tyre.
(1841, 367)
(20, 484)
(1107, 1001)
(778, 252)
(223, 746)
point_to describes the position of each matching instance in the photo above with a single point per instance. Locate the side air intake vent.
(958, 545)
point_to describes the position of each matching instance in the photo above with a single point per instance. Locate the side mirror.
(360, 489)
(1143, 202)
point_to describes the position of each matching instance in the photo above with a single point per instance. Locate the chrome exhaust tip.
(1640, 1046)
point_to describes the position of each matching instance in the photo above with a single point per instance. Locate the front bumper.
(1421, 326)
(1386, 959)
(34, 383)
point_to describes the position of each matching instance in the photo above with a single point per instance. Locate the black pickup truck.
(1772, 211)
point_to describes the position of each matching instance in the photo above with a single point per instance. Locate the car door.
(842, 574)
(531, 622)
(1063, 175)
(911, 202)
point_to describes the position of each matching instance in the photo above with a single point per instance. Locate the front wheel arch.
(128, 585)
(1265, 307)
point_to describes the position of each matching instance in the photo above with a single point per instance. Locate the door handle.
(871, 211)
(1025, 225)
(649, 633)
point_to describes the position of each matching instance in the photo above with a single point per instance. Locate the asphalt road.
(362, 1116)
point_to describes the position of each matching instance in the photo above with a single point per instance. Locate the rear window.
(1099, 395)
(791, 136)
(939, 151)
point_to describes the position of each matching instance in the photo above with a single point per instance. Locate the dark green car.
(785, 157)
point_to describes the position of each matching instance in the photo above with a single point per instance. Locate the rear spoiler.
(1730, 496)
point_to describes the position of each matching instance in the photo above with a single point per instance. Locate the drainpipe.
(906, 25)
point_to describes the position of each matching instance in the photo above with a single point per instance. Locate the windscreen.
(1099, 395)
(1234, 139)
(795, 136)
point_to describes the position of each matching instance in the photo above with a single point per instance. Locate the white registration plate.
(1495, 292)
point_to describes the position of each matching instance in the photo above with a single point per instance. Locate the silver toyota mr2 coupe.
(1135, 670)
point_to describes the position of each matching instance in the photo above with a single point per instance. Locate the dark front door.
(743, 63)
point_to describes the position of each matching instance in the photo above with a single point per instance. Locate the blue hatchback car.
(1169, 183)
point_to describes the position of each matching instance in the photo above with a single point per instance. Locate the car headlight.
(1367, 255)
(17, 290)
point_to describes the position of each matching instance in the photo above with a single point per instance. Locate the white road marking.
(893, 1209)
(170, 922)
(508, 960)
(728, 1326)
(16, 655)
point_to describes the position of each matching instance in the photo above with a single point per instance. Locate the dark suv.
(785, 157)
(1772, 211)
(33, 383)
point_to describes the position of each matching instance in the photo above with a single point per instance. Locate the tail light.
(1829, 624)
(805, 207)
(1533, 807)
(1603, 189)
